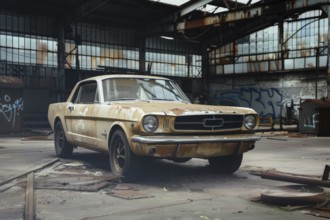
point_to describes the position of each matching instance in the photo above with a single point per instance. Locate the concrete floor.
(84, 188)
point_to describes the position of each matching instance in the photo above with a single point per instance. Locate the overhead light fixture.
(167, 37)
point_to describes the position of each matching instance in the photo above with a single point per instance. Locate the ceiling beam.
(243, 29)
(84, 10)
(166, 24)
(268, 8)
(227, 4)
(192, 6)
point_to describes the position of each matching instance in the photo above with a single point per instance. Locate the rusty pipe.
(295, 179)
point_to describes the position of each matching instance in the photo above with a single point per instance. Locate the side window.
(87, 93)
(109, 89)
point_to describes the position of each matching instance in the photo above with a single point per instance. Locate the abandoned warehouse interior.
(268, 55)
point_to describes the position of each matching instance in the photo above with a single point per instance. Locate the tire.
(226, 164)
(63, 148)
(123, 162)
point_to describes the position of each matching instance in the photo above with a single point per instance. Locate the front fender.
(126, 127)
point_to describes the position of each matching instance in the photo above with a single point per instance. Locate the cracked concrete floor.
(83, 187)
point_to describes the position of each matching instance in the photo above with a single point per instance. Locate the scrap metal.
(29, 198)
(294, 179)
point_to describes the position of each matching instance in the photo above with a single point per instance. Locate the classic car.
(136, 117)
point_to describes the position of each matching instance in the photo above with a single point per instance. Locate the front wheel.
(123, 161)
(63, 148)
(226, 164)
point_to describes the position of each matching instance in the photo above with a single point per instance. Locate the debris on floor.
(128, 191)
(322, 210)
(310, 194)
(294, 195)
(74, 183)
(293, 178)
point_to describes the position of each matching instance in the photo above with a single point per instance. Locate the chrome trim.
(194, 139)
(206, 122)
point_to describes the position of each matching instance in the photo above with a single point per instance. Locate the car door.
(82, 116)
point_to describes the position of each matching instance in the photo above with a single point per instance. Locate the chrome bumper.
(194, 139)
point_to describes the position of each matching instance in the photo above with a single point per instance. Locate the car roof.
(112, 76)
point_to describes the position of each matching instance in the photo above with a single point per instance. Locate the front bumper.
(194, 139)
(193, 146)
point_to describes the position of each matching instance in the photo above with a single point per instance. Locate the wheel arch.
(128, 165)
(116, 127)
(57, 119)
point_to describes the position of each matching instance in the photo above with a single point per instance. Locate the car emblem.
(213, 122)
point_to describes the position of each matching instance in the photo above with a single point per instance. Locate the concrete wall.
(29, 108)
(269, 96)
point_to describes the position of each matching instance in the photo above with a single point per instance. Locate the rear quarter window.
(86, 93)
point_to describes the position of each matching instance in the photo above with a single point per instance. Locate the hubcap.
(60, 139)
(119, 155)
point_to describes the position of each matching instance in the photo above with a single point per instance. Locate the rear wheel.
(63, 148)
(123, 161)
(226, 164)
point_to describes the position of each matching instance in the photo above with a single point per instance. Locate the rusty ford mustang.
(133, 118)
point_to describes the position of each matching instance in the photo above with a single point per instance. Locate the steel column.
(326, 8)
(61, 63)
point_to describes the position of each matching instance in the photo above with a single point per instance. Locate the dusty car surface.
(133, 117)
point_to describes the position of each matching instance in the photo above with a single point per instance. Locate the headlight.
(150, 123)
(250, 121)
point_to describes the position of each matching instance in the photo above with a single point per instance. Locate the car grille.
(208, 122)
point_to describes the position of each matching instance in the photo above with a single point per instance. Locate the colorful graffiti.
(10, 109)
(267, 102)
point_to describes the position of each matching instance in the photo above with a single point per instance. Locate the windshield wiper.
(162, 99)
(122, 99)
(159, 99)
(128, 99)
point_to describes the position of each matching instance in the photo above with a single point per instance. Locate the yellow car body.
(155, 122)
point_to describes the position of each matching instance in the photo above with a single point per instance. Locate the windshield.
(142, 89)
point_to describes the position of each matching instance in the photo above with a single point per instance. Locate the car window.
(142, 89)
(87, 93)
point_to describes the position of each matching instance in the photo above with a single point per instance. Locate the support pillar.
(142, 56)
(282, 45)
(326, 8)
(328, 62)
(206, 72)
(61, 63)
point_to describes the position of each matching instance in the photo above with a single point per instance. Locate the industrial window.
(103, 48)
(32, 41)
(27, 40)
(28, 50)
(174, 64)
(304, 41)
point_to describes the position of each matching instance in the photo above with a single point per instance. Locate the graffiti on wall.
(10, 109)
(311, 121)
(267, 102)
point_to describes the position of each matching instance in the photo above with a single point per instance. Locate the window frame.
(76, 99)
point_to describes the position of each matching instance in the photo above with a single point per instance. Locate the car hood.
(179, 109)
